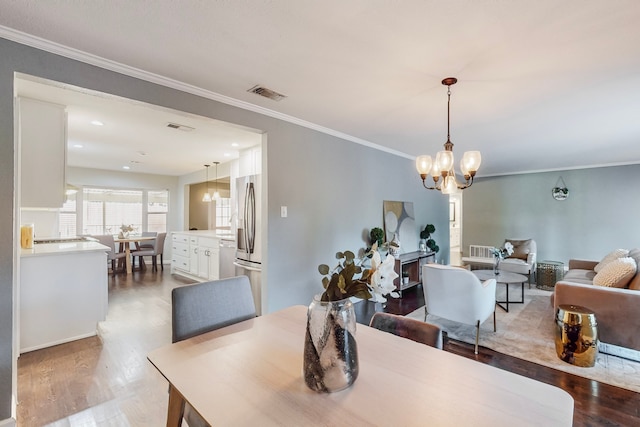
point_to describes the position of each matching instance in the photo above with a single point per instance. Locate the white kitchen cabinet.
(250, 161)
(180, 252)
(208, 258)
(63, 293)
(42, 132)
(196, 254)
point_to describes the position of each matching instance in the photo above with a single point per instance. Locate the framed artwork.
(399, 218)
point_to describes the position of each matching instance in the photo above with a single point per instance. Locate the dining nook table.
(126, 242)
(250, 373)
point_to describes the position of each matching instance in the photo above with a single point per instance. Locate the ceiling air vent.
(180, 127)
(267, 93)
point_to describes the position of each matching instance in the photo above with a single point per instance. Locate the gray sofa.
(617, 310)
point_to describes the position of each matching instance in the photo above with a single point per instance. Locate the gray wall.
(333, 188)
(600, 214)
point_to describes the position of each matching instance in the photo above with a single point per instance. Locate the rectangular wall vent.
(180, 127)
(267, 93)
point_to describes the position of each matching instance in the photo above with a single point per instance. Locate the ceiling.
(135, 136)
(542, 85)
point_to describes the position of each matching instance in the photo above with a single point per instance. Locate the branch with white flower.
(504, 252)
(374, 282)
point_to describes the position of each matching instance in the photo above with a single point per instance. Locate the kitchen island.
(63, 292)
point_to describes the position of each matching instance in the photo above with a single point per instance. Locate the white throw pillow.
(616, 274)
(615, 254)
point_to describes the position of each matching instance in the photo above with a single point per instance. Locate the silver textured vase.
(330, 351)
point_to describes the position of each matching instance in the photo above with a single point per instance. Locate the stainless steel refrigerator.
(248, 260)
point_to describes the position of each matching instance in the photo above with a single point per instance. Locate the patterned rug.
(527, 332)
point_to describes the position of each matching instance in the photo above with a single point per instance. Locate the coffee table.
(507, 278)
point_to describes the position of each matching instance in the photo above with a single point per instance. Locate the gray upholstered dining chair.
(204, 307)
(405, 327)
(157, 249)
(112, 255)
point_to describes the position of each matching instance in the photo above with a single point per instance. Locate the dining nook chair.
(112, 255)
(405, 327)
(204, 307)
(156, 250)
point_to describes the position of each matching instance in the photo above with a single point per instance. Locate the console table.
(411, 263)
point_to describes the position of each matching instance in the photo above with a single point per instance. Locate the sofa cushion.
(615, 254)
(521, 248)
(579, 276)
(635, 282)
(617, 273)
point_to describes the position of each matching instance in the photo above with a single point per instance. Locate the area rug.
(527, 332)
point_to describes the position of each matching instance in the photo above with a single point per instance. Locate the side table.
(576, 335)
(548, 273)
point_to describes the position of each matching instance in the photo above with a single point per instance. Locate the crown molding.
(88, 58)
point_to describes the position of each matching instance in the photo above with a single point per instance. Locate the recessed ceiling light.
(78, 146)
(97, 123)
(126, 167)
(235, 144)
(227, 155)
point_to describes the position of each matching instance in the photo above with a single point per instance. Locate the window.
(67, 217)
(157, 208)
(223, 213)
(106, 210)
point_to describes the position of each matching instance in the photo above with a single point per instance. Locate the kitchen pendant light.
(442, 166)
(216, 195)
(207, 197)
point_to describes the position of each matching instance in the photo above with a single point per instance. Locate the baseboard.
(617, 351)
(9, 422)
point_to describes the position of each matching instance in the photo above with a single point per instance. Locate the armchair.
(457, 294)
(523, 259)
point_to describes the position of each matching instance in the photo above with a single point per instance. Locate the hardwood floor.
(107, 380)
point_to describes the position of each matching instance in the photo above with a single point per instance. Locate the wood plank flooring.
(107, 380)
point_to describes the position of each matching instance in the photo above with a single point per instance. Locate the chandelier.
(207, 197)
(216, 194)
(442, 166)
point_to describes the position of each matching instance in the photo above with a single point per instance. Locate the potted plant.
(426, 236)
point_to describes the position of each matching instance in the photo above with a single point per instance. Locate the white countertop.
(218, 234)
(63, 248)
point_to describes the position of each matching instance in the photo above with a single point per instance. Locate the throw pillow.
(617, 273)
(615, 254)
(521, 248)
(635, 282)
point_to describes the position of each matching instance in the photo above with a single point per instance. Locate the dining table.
(250, 373)
(126, 242)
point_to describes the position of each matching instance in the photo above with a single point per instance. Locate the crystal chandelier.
(442, 166)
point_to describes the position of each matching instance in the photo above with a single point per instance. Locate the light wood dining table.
(250, 374)
(127, 249)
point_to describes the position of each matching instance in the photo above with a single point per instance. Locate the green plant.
(426, 234)
(377, 236)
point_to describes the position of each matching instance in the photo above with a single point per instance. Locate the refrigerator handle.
(250, 217)
(246, 267)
